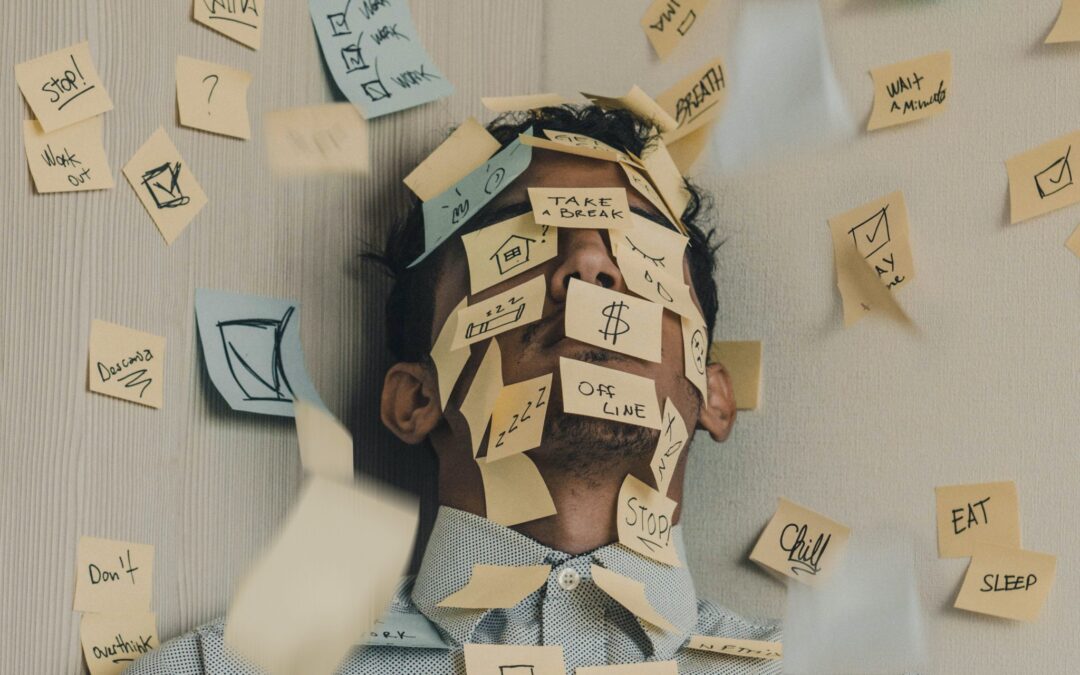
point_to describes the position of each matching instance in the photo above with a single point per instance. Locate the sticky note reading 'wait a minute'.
(69, 159)
(983, 512)
(911, 90)
(240, 20)
(127, 363)
(590, 208)
(606, 393)
(1007, 582)
(165, 185)
(645, 519)
(800, 543)
(212, 97)
(113, 641)
(113, 576)
(63, 87)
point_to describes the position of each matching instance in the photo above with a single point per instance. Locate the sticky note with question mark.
(212, 97)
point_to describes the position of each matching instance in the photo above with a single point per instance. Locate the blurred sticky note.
(113, 576)
(328, 138)
(212, 97)
(517, 420)
(1041, 179)
(800, 543)
(669, 446)
(375, 55)
(644, 518)
(606, 393)
(591, 208)
(695, 352)
(497, 586)
(508, 310)
(240, 20)
(326, 446)
(469, 146)
(639, 103)
(112, 642)
(742, 361)
(910, 90)
(508, 248)
(1073, 242)
(449, 362)
(501, 104)
(163, 182)
(513, 660)
(981, 512)
(314, 592)
(604, 318)
(630, 593)
(667, 22)
(127, 363)
(1007, 582)
(696, 100)
(63, 87)
(1067, 26)
(515, 491)
(752, 649)
(251, 346)
(479, 401)
(70, 159)
(649, 668)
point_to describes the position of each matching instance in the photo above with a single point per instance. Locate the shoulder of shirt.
(715, 620)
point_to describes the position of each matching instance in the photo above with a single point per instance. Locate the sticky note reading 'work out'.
(591, 208)
(113, 576)
(645, 518)
(212, 97)
(800, 544)
(127, 363)
(240, 20)
(1041, 179)
(604, 318)
(1007, 582)
(329, 138)
(984, 512)
(508, 248)
(111, 642)
(63, 87)
(517, 421)
(484, 659)
(667, 22)
(911, 90)
(69, 159)
(606, 393)
(165, 185)
(511, 309)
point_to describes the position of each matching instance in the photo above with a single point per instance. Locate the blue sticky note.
(251, 345)
(446, 213)
(375, 55)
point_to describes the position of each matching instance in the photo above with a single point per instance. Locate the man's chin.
(592, 446)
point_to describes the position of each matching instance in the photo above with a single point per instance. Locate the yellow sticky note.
(696, 100)
(646, 189)
(511, 309)
(630, 593)
(513, 660)
(664, 174)
(165, 185)
(1007, 582)
(69, 159)
(112, 642)
(661, 247)
(1041, 179)
(969, 514)
(1067, 26)
(590, 208)
(672, 441)
(326, 446)
(497, 586)
(63, 87)
(240, 20)
(479, 401)
(742, 360)
(649, 668)
(501, 104)
(585, 146)
(911, 90)
(508, 248)
(329, 138)
(695, 353)
(113, 576)
(449, 362)
(639, 103)
(469, 146)
(685, 146)
(800, 543)
(1073, 242)
(212, 97)
(753, 649)
(667, 22)
(608, 394)
(515, 491)
(613, 320)
(517, 421)
(127, 363)
(644, 519)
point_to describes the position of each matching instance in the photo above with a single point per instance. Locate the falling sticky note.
(484, 659)
(639, 103)
(605, 318)
(517, 420)
(501, 104)
(113, 576)
(695, 353)
(304, 603)
(982, 512)
(606, 393)
(251, 346)
(69, 159)
(328, 138)
(672, 441)
(696, 100)
(164, 184)
(630, 593)
(742, 361)
(649, 668)
(479, 401)
(497, 586)
(667, 22)
(212, 97)
(63, 87)
(1041, 179)
(591, 208)
(752, 649)
(800, 543)
(469, 146)
(375, 55)
(645, 518)
(508, 248)
(326, 446)
(911, 90)
(515, 491)
(127, 363)
(240, 20)
(1007, 582)
(508, 310)
(112, 642)
(449, 362)
(1067, 26)
(1073, 242)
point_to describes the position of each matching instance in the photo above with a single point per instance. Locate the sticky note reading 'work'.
(753, 649)
(800, 544)
(508, 248)
(606, 393)
(63, 87)
(164, 184)
(497, 586)
(1041, 179)
(113, 576)
(742, 360)
(630, 593)
(1007, 582)
(909, 91)
(591, 208)
(240, 20)
(515, 491)
(645, 518)
(127, 363)
(329, 138)
(650, 668)
(669, 447)
(469, 146)
(667, 22)
(449, 362)
(604, 318)
(1067, 26)
(517, 421)
(984, 512)
(483, 393)
(695, 353)
(112, 642)
(69, 159)
(212, 97)
(511, 309)
(513, 660)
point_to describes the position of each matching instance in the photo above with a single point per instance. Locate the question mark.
(212, 88)
(543, 234)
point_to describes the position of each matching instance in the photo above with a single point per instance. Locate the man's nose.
(585, 256)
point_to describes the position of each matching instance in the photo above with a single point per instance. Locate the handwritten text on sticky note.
(69, 159)
(127, 363)
(113, 641)
(63, 87)
(609, 394)
(517, 421)
(645, 519)
(329, 138)
(597, 208)
(984, 512)
(800, 543)
(909, 91)
(1007, 582)
(667, 22)
(240, 20)
(113, 576)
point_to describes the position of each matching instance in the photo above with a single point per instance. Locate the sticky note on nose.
(613, 320)
(589, 208)
(608, 394)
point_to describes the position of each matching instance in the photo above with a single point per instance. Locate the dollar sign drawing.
(615, 325)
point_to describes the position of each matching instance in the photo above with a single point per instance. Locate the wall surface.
(860, 423)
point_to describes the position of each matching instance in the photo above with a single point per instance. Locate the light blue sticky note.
(401, 629)
(251, 345)
(375, 55)
(447, 212)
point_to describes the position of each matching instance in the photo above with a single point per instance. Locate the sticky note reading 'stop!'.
(589, 208)
(63, 87)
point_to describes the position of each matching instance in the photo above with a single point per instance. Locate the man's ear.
(717, 414)
(410, 402)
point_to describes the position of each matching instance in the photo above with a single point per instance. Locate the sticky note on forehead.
(910, 90)
(645, 518)
(983, 512)
(1007, 582)
(63, 87)
(508, 248)
(512, 309)
(606, 393)
(613, 320)
(469, 146)
(113, 576)
(588, 208)
(800, 543)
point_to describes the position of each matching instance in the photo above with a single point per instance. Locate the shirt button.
(569, 578)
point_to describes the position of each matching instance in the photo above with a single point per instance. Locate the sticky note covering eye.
(667, 22)
(127, 363)
(1007, 582)
(506, 249)
(67, 160)
(645, 518)
(479, 401)
(590, 208)
(63, 87)
(517, 421)
(113, 576)
(672, 441)
(613, 320)
(511, 309)
(742, 360)
(165, 185)
(330, 138)
(469, 146)
(753, 649)
(911, 90)
(984, 512)
(657, 245)
(515, 491)
(606, 393)
(111, 642)
(212, 97)
(497, 586)
(1041, 179)
(800, 544)
(240, 20)
(513, 660)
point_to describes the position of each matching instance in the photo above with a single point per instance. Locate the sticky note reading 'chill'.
(800, 544)
(63, 87)
(610, 394)
(69, 159)
(113, 576)
(127, 364)
(967, 514)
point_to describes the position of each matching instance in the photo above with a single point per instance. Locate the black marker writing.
(804, 556)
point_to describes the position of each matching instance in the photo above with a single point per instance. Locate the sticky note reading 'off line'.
(508, 248)
(1007, 582)
(645, 519)
(606, 393)
(911, 90)
(212, 97)
(164, 184)
(800, 543)
(127, 363)
(968, 514)
(240, 20)
(70, 159)
(604, 318)
(113, 641)
(63, 87)
(590, 208)
(113, 576)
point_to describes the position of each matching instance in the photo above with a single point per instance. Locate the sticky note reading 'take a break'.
(590, 208)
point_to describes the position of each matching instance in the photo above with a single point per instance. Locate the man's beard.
(589, 447)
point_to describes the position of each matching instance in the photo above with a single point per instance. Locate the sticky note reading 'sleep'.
(63, 87)
(609, 394)
(1007, 582)
(591, 208)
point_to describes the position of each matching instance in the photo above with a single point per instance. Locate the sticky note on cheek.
(517, 421)
(63, 87)
(589, 208)
(112, 642)
(800, 543)
(506, 249)
(911, 90)
(608, 394)
(113, 576)
(1007, 582)
(212, 97)
(127, 364)
(984, 512)
(645, 518)
(164, 184)
(69, 159)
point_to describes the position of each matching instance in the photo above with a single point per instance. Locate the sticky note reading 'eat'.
(1007, 582)
(800, 544)
(909, 91)
(126, 363)
(63, 87)
(609, 394)
(590, 208)
(113, 576)
(968, 514)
